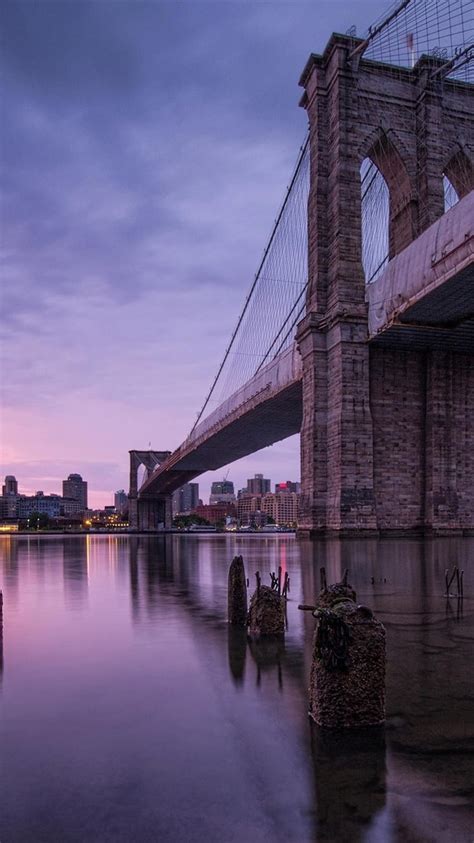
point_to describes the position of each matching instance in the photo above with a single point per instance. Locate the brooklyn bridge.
(358, 330)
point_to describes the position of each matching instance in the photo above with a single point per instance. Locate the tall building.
(222, 492)
(76, 488)
(287, 486)
(185, 499)
(258, 485)
(10, 487)
(121, 501)
(9, 499)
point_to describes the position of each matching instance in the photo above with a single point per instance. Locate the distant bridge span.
(268, 408)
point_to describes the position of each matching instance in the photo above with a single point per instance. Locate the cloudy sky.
(146, 149)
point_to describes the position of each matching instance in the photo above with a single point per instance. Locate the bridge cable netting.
(443, 29)
(276, 299)
(393, 212)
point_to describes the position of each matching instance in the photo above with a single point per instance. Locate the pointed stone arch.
(459, 170)
(386, 156)
(375, 213)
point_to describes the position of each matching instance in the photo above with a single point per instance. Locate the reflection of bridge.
(378, 377)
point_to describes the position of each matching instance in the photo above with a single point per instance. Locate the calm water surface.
(130, 712)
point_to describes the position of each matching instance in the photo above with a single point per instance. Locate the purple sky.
(146, 149)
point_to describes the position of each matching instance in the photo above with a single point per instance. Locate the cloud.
(146, 150)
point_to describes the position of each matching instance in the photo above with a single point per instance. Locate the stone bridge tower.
(387, 439)
(147, 513)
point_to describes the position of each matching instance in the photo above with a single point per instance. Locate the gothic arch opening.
(389, 207)
(458, 179)
(451, 196)
(375, 218)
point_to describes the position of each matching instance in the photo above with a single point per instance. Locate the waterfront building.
(281, 507)
(258, 485)
(216, 513)
(121, 501)
(247, 507)
(75, 487)
(8, 506)
(39, 503)
(69, 506)
(185, 499)
(222, 491)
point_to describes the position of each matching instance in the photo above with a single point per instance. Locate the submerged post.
(237, 593)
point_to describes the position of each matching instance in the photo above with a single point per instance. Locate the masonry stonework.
(387, 438)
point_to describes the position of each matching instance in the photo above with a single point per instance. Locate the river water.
(130, 712)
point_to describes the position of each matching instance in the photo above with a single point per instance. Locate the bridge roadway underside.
(443, 318)
(268, 422)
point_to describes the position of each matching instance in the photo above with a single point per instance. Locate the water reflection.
(350, 782)
(181, 704)
(75, 570)
(268, 653)
(237, 653)
(1, 638)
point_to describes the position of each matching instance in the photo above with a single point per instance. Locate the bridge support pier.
(387, 436)
(153, 513)
(336, 434)
(147, 513)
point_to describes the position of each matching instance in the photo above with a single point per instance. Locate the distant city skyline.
(54, 486)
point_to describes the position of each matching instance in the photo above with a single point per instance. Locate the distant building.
(41, 504)
(10, 487)
(258, 485)
(9, 499)
(69, 506)
(121, 502)
(9, 506)
(216, 513)
(288, 486)
(247, 507)
(76, 488)
(222, 491)
(185, 499)
(281, 507)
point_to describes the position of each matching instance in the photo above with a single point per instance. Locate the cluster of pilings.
(347, 682)
(266, 614)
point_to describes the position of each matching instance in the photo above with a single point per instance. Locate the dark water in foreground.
(128, 711)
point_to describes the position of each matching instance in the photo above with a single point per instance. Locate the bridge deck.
(266, 409)
(425, 297)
